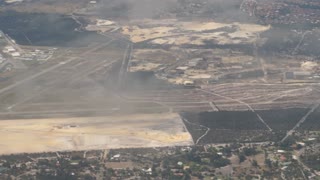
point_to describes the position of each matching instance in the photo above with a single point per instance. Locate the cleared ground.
(174, 32)
(39, 135)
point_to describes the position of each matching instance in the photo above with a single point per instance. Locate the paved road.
(34, 76)
(124, 66)
(70, 70)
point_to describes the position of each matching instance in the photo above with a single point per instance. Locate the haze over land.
(159, 89)
(154, 57)
(86, 75)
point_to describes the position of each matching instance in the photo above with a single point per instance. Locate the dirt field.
(176, 32)
(39, 135)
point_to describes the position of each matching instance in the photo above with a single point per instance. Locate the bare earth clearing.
(39, 135)
(173, 32)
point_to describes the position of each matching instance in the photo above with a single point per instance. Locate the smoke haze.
(133, 8)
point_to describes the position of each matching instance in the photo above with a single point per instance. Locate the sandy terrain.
(175, 59)
(237, 59)
(152, 59)
(145, 67)
(155, 55)
(38, 135)
(176, 32)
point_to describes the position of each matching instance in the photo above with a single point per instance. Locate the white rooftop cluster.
(37, 54)
(103, 22)
(12, 51)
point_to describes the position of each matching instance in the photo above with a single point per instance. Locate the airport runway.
(65, 89)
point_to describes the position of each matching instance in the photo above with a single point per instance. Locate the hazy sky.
(133, 8)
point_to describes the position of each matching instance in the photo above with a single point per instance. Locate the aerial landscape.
(170, 89)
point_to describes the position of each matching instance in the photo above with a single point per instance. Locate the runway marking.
(46, 70)
(33, 76)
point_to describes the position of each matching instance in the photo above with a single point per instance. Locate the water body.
(45, 29)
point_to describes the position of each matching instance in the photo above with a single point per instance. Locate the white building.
(9, 49)
(15, 54)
